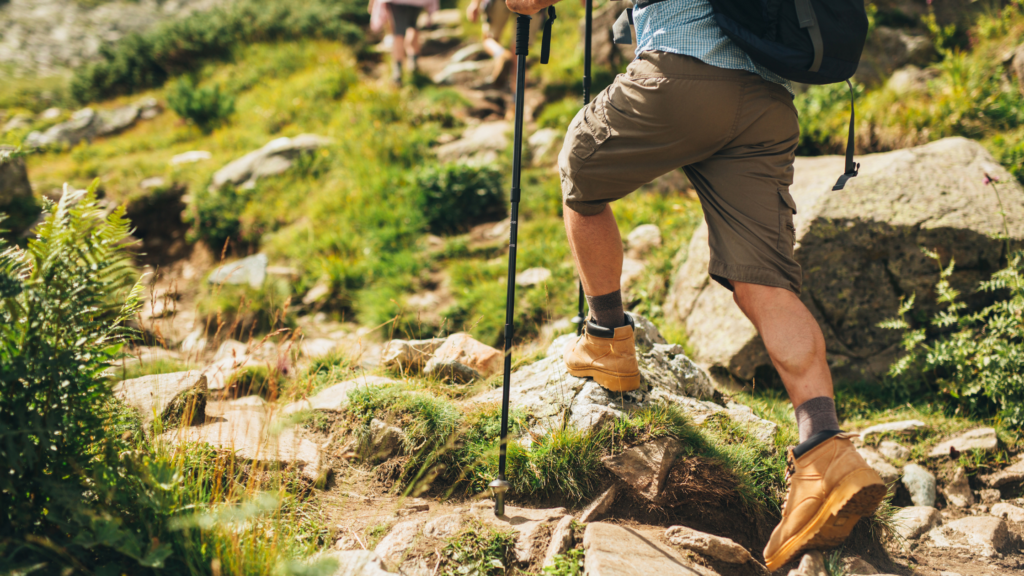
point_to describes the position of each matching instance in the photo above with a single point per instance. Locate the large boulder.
(889, 49)
(549, 395)
(860, 249)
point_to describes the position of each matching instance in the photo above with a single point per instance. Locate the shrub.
(455, 196)
(140, 61)
(207, 108)
(61, 324)
(215, 218)
(977, 361)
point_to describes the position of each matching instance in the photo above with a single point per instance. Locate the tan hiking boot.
(608, 356)
(830, 488)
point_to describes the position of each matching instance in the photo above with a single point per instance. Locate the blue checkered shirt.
(688, 27)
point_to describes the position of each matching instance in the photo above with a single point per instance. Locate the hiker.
(496, 15)
(693, 98)
(401, 17)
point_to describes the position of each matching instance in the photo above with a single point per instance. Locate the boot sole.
(608, 380)
(858, 495)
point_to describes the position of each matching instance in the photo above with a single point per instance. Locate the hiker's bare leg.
(493, 47)
(791, 335)
(412, 37)
(397, 48)
(597, 248)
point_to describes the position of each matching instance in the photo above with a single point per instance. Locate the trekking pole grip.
(522, 34)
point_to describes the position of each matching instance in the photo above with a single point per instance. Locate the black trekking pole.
(500, 486)
(588, 24)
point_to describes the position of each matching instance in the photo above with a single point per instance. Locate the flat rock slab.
(1008, 511)
(1005, 476)
(902, 427)
(334, 398)
(532, 526)
(394, 546)
(355, 563)
(981, 535)
(983, 439)
(913, 521)
(151, 396)
(246, 432)
(646, 467)
(613, 550)
(464, 349)
(717, 547)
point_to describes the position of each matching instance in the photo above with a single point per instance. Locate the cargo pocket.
(591, 127)
(787, 230)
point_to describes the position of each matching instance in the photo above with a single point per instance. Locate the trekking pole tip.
(498, 489)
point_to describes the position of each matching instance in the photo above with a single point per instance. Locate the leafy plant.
(978, 359)
(207, 107)
(478, 551)
(568, 564)
(63, 303)
(456, 196)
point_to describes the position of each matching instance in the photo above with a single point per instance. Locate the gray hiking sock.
(816, 415)
(607, 310)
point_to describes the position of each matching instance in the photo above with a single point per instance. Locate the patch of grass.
(568, 564)
(136, 369)
(478, 550)
(260, 380)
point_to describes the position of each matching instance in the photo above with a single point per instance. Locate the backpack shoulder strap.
(805, 14)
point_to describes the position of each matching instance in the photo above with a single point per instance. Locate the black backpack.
(808, 41)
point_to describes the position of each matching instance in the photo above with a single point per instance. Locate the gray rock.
(17, 122)
(14, 184)
(859, 250)
(902, 427)
(990, 496)
(533, 277)
(983, 439)
(562, 539)
(646, 467)
(381, 441)
(979, 535)
(642, 240)
(409, 355)
(958, 491)
(889, 49)
(247, 432)
(87, 124)
(1008, 511)
(893, 451)
(354, 563)
(166, 396)
(335, 398)
(811, 564)
(393, 548)
(858, 566)
(444, 526)
(920, 483)
(460, 72)
(481, 143)
(273, 159)
(887, 471)
(625, 551)
(717, 547)
(251, 270)
(462, 358)
(469, 52)
(600, 505)
(913, 521)
(911, 80)
(531, 525)
(545, 144)
(190, 157)
(1014, 473)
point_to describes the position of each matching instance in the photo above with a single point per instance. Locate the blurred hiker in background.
(496, 15)
(401, 15)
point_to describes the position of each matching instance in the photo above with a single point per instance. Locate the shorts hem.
(723, 273)
(584, 208)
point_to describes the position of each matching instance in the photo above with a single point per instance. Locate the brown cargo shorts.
(735, 135)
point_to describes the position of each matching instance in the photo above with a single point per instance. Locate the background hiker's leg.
(791, 335)
(597, 248)
(412, 37)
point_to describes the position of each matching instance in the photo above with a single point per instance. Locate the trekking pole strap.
(545, 46)
(852, 168)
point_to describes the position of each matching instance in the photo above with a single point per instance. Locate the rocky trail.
(658, 510)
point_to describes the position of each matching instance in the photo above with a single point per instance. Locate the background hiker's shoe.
(830, 488)
(606, 355)
(502, 67)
